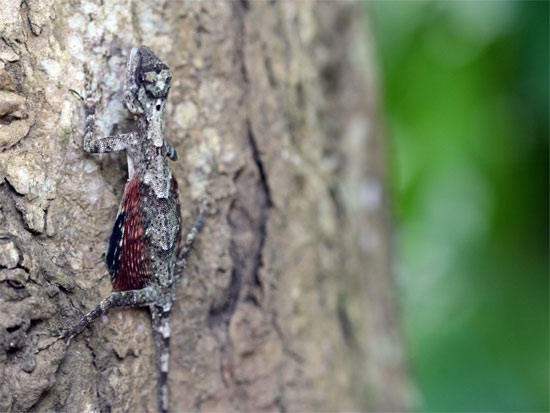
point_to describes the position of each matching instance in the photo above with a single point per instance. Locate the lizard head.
(147, 83)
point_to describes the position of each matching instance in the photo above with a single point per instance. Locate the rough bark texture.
(287, 303)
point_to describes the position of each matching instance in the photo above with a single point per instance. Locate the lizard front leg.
(93, 144)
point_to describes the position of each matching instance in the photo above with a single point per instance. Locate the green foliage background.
(466, 93)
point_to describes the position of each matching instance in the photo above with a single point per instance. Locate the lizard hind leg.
(131, 298)
(185, 250)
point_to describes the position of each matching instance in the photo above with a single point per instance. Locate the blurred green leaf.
(466, 94)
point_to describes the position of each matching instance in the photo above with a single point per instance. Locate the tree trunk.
(287, 302)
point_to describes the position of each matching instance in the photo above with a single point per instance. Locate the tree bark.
(287, 303)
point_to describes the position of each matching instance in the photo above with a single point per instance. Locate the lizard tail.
(161, 333)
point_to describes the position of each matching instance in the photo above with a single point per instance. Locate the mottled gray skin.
(145, 92)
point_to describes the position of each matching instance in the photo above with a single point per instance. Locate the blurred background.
(465, 90)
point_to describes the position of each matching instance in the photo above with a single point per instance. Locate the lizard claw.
(47, 346)
(55, 340)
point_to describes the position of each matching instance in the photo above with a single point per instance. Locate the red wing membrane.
(127, 257)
